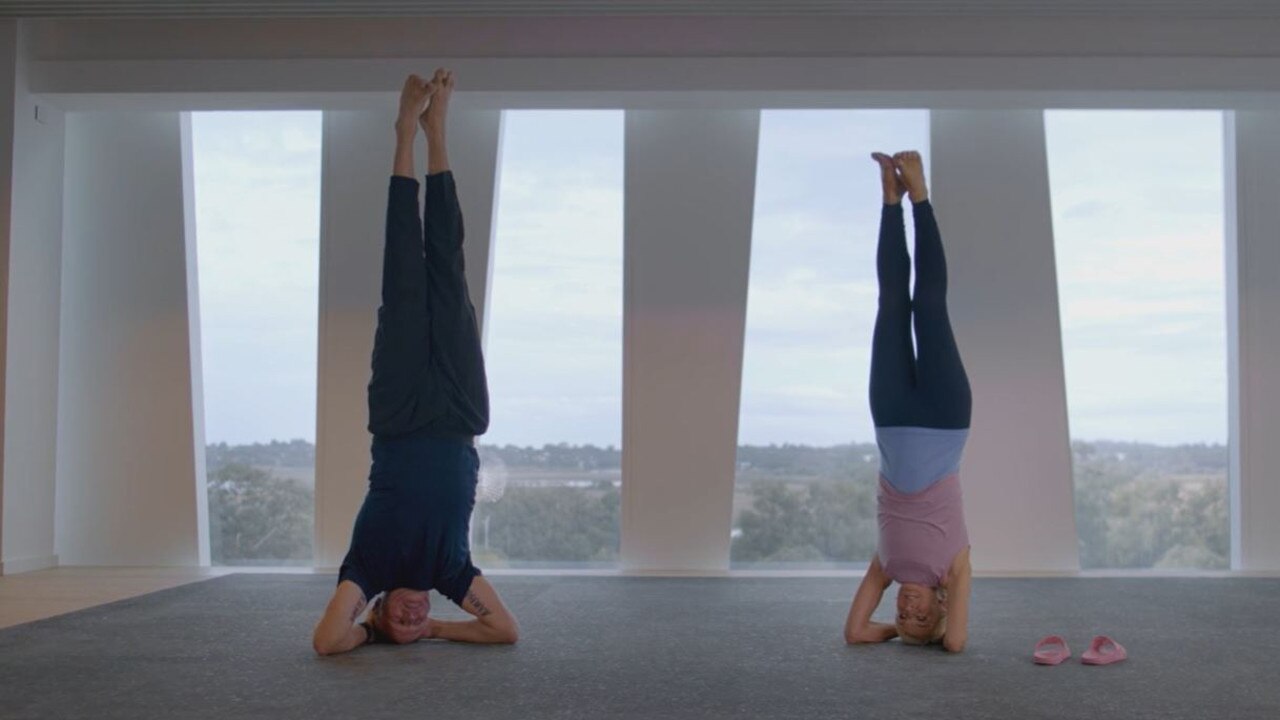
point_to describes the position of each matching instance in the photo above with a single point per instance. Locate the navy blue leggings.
(928, 387)
(428, 370)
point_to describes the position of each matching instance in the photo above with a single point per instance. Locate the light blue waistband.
(913, 458)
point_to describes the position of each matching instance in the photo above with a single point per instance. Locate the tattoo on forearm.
(481, 610)
(355, 612)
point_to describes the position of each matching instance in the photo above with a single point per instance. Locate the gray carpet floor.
(239, 647)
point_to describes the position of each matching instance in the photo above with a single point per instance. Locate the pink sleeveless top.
(921, 533)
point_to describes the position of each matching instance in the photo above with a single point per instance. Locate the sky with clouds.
(1138, 218)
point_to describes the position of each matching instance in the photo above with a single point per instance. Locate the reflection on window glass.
(807, 459)
(257, 200)
(551, 462)
(1138, 227)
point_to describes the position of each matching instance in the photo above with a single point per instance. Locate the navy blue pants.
(428, 370)
(926, 387)
(428, 399)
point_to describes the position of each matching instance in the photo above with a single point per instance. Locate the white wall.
(690, 194)
(356, 168)
(8, 71)
(31, 375)
(1253, 270)
(991, 193)
(126, 476)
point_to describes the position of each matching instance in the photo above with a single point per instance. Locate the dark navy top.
(428, 399)
(412, 530)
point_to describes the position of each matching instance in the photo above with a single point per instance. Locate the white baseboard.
(13, 566)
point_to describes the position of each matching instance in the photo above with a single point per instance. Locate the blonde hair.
(939, 629)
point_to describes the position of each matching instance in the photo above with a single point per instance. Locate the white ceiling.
(919, 8)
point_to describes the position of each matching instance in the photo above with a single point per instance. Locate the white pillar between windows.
(33, 230)
(1252, 167)
(195, 339)
(690, 194)
(126, 467)
(8, 71)
(357, 154)
(991, 192)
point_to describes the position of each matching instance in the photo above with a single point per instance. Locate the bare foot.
(911, 168)
(413, 100)
(890, 179)
(432, 118)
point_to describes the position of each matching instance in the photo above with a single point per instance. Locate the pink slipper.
(1103, 651)
(1051, 651)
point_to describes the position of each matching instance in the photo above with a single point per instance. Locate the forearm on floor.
(352, 638)
(875, 633)
(469, 631)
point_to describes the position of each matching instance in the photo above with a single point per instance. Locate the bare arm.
(858, 628)
(958, 603)
(337, 631)
(494, 624)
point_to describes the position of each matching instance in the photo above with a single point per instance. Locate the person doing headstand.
(921, 404)
(428, 400)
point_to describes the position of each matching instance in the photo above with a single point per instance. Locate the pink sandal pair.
(1102, 651)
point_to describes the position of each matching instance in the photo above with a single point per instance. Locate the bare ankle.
(406, 130)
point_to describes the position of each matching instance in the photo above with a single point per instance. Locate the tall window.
(551, 462)
(257, 200)
(807, 459)
(1138, 226)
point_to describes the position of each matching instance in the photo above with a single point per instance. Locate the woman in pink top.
(921, 403)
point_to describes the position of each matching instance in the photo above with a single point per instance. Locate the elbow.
(508, 633)
(324, 646)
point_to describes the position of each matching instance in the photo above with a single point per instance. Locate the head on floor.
(401, 615)
(922, 614)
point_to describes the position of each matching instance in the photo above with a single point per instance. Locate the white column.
(194, 337)
(690, 194)
(126, 473)
(357, 154)
(8, 71)
(1253, 298)
(991, 192)
(31, 372)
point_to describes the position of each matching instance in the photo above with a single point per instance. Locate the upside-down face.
(402, 615)
(919, 612)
